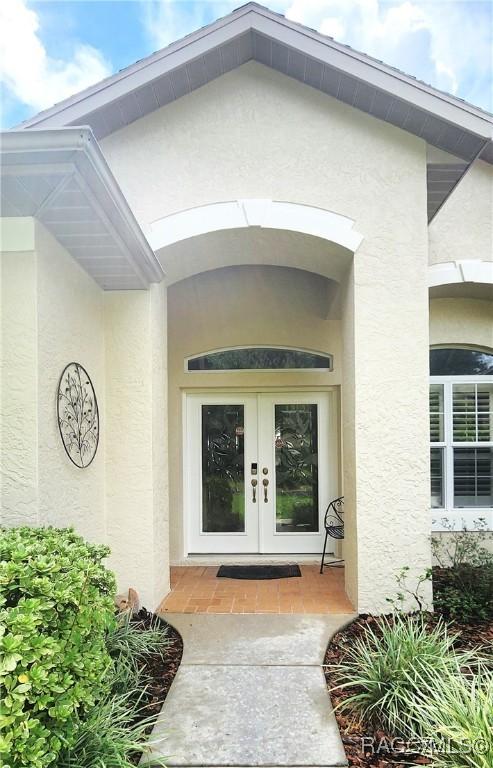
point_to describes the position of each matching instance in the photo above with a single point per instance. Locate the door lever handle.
(254, 490)
(265, 483)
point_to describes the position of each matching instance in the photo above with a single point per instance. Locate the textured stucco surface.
(19, 376)
(463, 228)
(326, 154)
(320, 153)
(461, 321)
(51, 315)
(136, 478)
(70, 328)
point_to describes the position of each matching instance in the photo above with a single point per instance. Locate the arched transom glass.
(260, 358)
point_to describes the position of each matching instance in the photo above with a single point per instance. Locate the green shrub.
(56, 604)
(463, 579)
(385, 664)
(454, 711)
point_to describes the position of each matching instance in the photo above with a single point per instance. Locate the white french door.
(259, 471)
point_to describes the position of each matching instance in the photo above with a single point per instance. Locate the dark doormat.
(258, 571)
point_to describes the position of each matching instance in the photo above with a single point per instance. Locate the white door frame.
(255, 539)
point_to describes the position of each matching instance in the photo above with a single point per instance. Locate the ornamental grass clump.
(384, 667)
(56, 607)
(453, 709)
(130, 643)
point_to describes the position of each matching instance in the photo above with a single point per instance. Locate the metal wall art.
(78, 415)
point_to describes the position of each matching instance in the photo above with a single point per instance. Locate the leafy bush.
(56, 605)
(385, 665)
(454, 711)
(463, 580)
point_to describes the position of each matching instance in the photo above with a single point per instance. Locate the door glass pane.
(223, 474)
(436, 462)
(473, 477)
(296, 451)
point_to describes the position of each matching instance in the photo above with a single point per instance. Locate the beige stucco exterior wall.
(461, 321)
(136, 445)
(19, 373)
(70, 328)
(213, 310)
(205, 148)
(53, 313)
(463, 228)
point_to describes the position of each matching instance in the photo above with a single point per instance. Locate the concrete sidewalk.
(251, 691)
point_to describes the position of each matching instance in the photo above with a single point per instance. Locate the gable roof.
(255, 32)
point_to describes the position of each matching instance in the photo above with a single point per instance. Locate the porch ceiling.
(239, 247)
(61, 178)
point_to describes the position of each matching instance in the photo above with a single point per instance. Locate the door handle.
(254, 490)
(265, 483)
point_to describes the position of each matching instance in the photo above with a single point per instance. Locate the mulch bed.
(161, 671)
(352, 731)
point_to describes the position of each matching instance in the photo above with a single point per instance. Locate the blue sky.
(50, 49)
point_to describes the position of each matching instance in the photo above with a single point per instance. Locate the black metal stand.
(334, 527)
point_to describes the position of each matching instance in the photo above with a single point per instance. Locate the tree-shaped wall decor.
(78, 415)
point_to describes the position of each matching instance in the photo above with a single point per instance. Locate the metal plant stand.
(334, 527)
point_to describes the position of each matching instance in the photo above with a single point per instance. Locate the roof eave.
(49, 146)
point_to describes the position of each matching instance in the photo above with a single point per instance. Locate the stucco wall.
(213, 310)
(51, 315)
(463, 228)
(136, 446)
(254, 133)
(70, 328)
(461, 321)
(19, 374)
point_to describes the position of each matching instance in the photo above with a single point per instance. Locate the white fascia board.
(276, 27)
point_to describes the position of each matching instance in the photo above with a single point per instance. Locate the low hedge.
(56, 606)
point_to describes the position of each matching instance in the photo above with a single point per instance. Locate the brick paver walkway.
(196, 589)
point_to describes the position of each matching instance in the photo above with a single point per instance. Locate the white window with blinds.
(461, 437)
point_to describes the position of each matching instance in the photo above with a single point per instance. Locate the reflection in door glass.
(223, 480)
(296, 447)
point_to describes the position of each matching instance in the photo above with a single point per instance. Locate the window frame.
(328, 355)
(449, 516)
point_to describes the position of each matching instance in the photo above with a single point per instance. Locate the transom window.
(260, 358)
(461, 431)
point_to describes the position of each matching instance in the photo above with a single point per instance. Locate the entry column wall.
(136, 444)
(385, 416)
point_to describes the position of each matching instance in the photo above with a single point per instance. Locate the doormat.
(258, 571)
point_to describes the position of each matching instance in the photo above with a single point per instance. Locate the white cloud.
(29, 73)
(168, 20)
(447, 43)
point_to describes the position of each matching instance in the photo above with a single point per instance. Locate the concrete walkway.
(251, 691)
